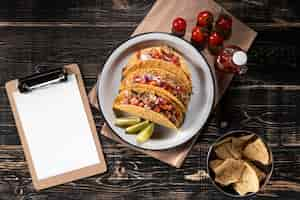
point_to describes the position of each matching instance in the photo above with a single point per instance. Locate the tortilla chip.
(260, 174)
(246, 137)
(214, 164)
(225, 140)
(229, 171)
(248, 182)
(238, 143)
(257, 151)
(223, 150)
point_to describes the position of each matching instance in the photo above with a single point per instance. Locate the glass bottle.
(232, 59)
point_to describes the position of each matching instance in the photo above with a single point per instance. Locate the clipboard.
(92, 163)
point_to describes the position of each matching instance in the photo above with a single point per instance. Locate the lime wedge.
(127, 121)
(145, 134)
(137, 127)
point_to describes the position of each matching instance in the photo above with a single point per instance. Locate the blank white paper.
(56, 128)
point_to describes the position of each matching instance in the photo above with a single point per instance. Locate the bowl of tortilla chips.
(240, 163)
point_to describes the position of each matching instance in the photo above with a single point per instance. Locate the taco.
(163, 53)
(150, 103)
(158, 64)
(167, 82)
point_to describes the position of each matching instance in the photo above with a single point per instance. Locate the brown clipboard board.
(98, 168)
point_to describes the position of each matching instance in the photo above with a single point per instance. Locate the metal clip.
(42, 79)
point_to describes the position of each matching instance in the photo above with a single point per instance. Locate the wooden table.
(266, 100)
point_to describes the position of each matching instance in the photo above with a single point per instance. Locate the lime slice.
(145, 134)
(127, 121)
(137, 127)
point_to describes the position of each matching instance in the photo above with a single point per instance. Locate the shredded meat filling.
(152, 102)
(169, 85)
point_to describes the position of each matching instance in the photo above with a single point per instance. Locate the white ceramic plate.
(202, 99)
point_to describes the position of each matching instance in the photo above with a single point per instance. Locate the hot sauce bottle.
(232, 59)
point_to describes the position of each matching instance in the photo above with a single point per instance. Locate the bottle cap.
(239, 58)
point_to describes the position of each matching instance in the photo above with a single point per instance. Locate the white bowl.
(202, 98)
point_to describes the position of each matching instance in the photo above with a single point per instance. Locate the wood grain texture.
(142, 177)
(120, 13)
(265, 100)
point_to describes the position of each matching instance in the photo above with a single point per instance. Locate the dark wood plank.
(139, 176)
(263, 10)
(120, 13)
(268, 110)
(21, 48)
(110, 13)
(117, 11)
(273, 58)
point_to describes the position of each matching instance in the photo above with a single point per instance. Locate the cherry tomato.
(199, 37)
(179, 27)
(224, 25)
(215, 42)
(205, 19)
